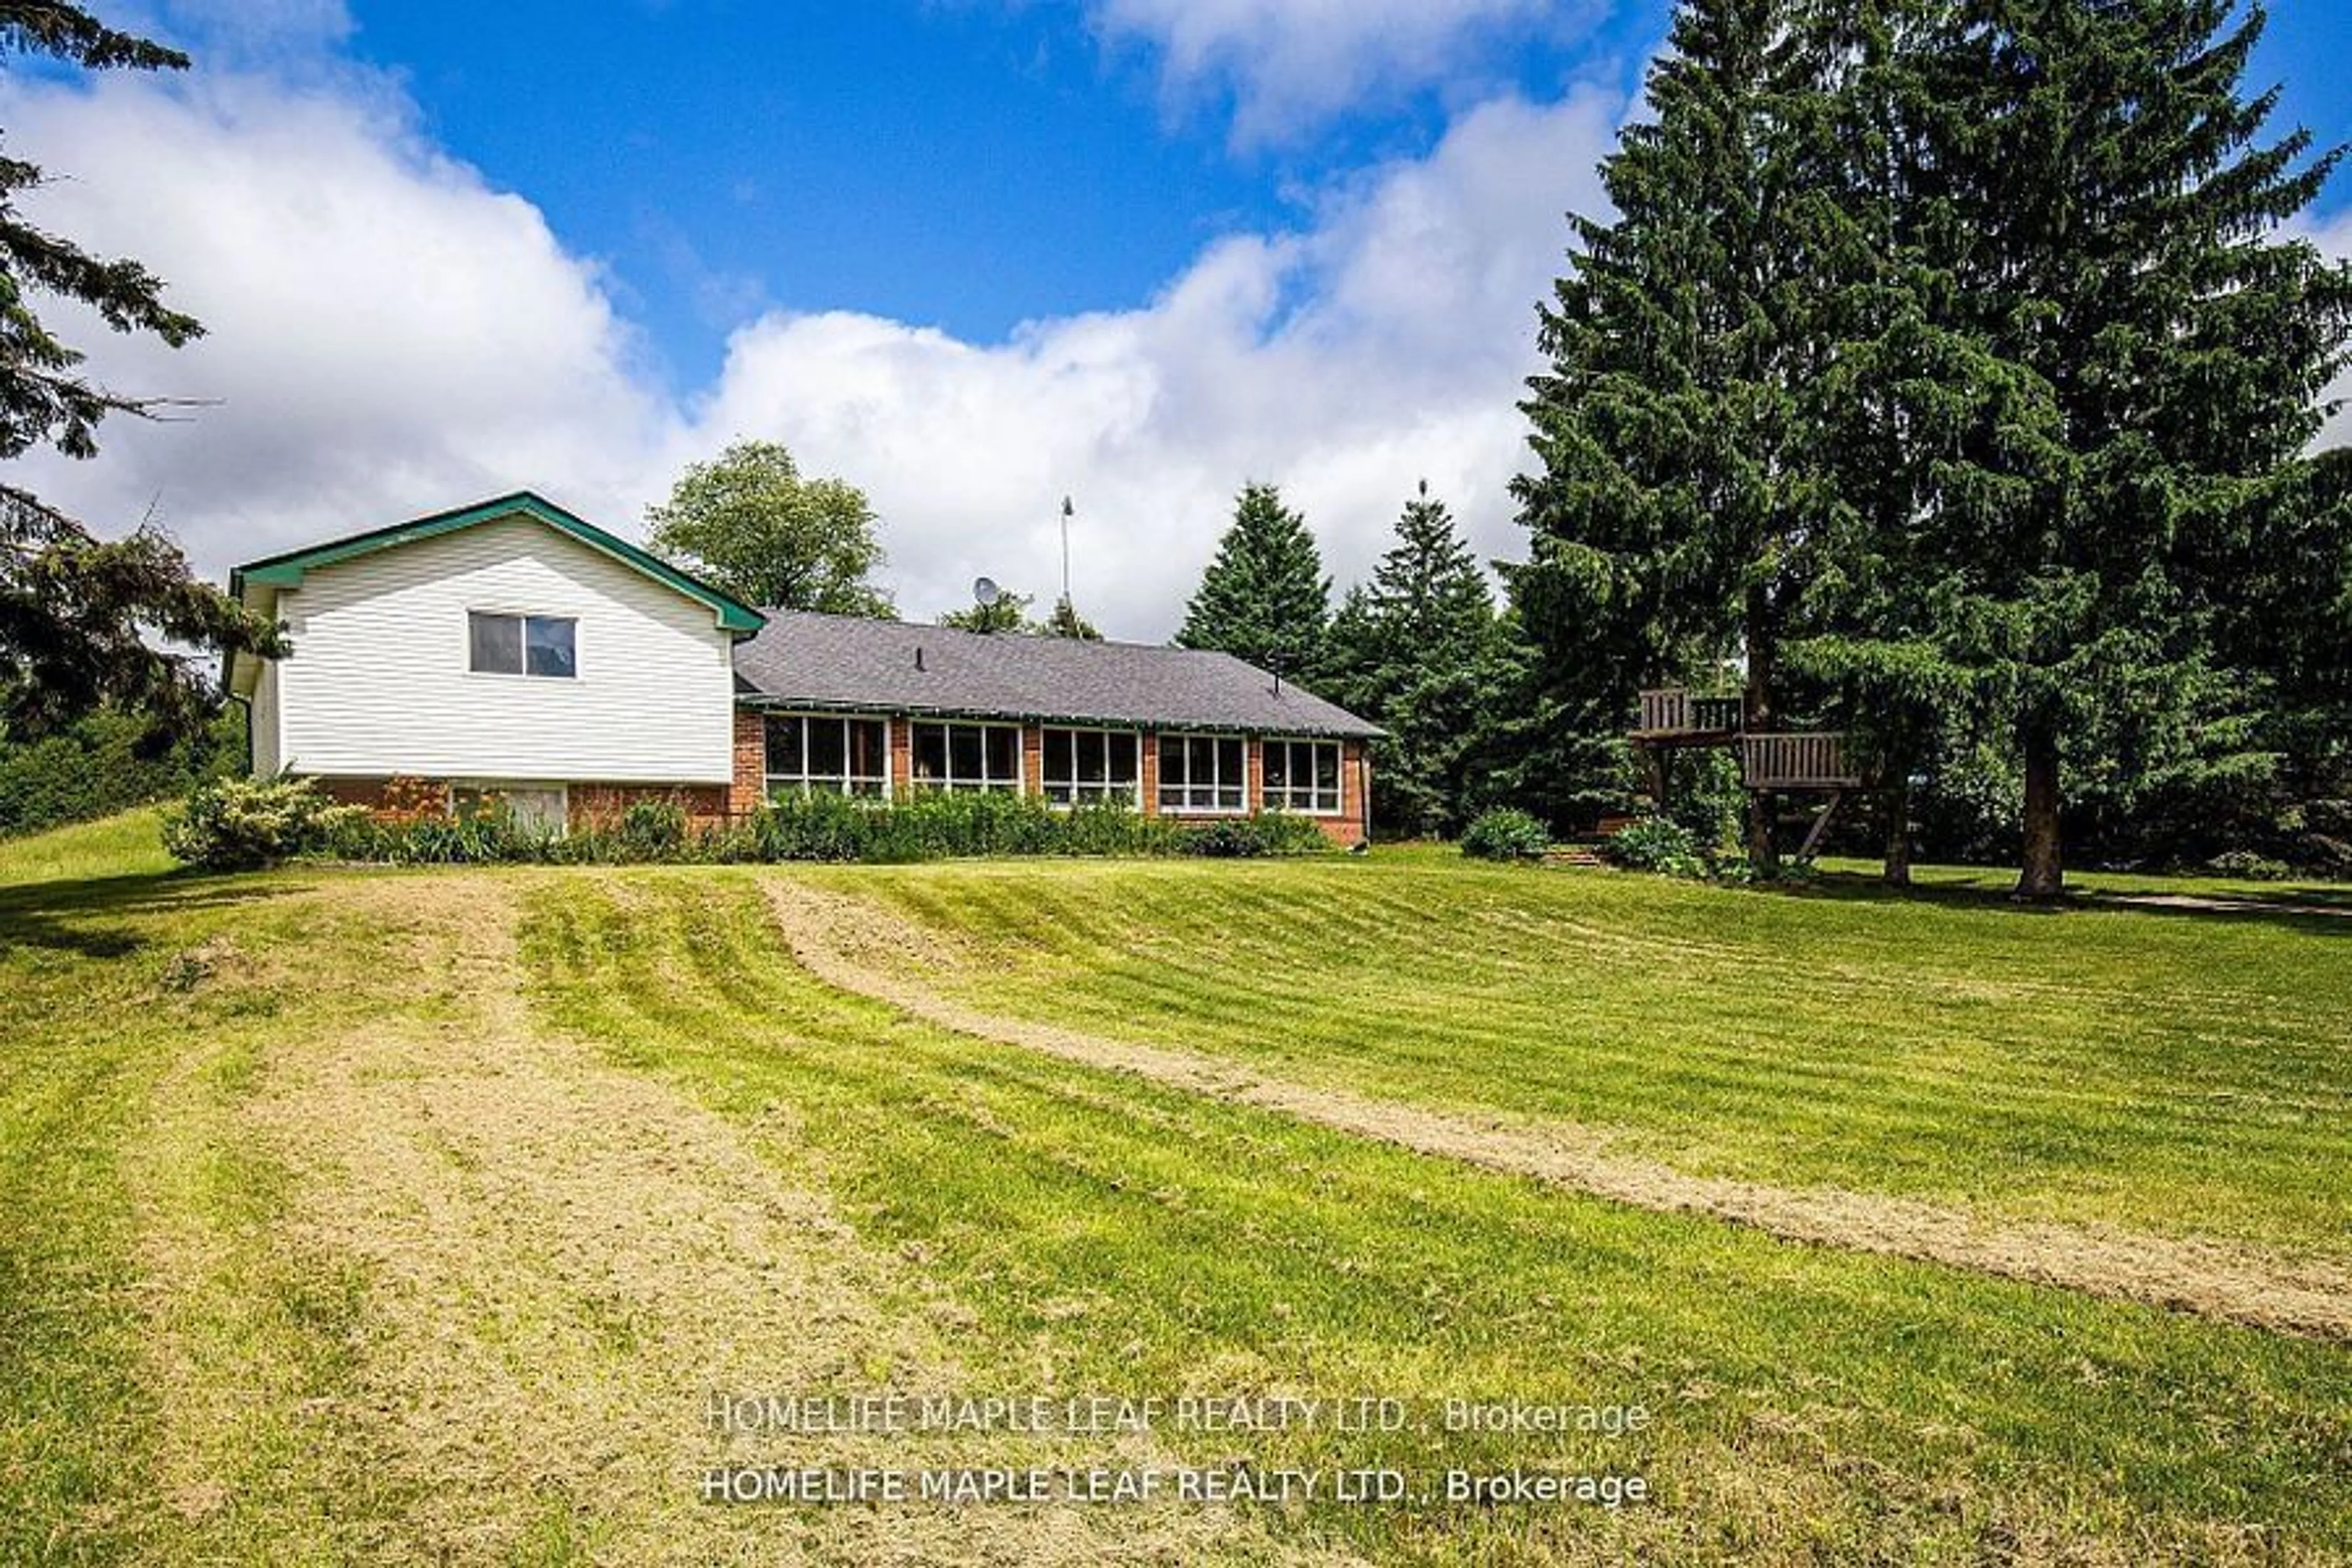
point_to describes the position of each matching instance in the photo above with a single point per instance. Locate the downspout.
(245, 703)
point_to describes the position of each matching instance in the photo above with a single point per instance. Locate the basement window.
(1203, 772)
(823, 754)
(1094, 767)
(968, 757)
(521, 645)
(1303, 775)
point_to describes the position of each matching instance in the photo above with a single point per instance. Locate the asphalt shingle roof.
(798, 659)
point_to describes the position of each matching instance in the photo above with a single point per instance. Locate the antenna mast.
(1066, 510)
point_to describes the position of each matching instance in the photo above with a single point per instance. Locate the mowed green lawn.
(195, 1371)
(2160, 1070)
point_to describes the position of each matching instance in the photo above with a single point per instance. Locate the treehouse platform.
(1674, 717)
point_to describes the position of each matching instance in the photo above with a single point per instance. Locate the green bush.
(243, 824)
(105, 763)
(1505, 833)
(2248, 866)
(1655, 843)
(1242, 837)
(653, 830)
(821, 828)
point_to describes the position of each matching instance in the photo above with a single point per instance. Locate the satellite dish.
(986, 590)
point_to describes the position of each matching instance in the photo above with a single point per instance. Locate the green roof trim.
(286, 571)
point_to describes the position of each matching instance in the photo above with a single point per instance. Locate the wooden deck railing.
(1679, 710)
(1814, 761)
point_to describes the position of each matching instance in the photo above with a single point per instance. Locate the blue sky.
(973, 254)
(969, 166)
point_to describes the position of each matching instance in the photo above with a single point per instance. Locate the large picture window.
(1303, 775)
(823, 754)
(968, 757)
(1203, 772)
(1090, 767)
(521, 645)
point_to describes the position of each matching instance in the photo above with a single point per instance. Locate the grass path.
(316, 1247)
(829, 932)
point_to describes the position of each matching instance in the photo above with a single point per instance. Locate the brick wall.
(750, 786)
(902, 758)
(602, 804)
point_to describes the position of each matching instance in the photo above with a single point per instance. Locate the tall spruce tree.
(1922, 435)
(1265, 598)
(1415, 650)
(75, 611)
(2099, 176)
(1669, 510)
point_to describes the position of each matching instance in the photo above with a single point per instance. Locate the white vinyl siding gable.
(379, 682)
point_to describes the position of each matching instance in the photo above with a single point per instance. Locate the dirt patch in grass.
(562, 1261)
(858, 945)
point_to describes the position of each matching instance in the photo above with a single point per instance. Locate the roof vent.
(919, 656)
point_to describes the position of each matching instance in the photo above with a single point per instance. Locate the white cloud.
(1386, 344)
(390, 335)
(1289, 65)
(386, 334)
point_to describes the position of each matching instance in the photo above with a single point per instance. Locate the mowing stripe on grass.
(1110, 1233)
(827, 933)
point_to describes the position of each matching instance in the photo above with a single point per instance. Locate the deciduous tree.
(757, 528)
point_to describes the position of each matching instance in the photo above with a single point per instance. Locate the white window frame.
(1082, 792)
(982, 784)
(804, 781)
(1309, 799)
(522, 643)
(1216, 780)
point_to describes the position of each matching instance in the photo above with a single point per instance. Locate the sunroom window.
(1303, 775)
(1203, 772)
(1090, 767)
(968, 757)
(827, 753)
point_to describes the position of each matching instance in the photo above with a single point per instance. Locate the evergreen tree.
(75, 611)
(1416, 652)
(1922, 434)
(2099, 177)
(1265, 598)
(751, 523)
(1669, 511)
(1066, 622)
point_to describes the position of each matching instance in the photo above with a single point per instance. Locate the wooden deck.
(1673, 717)
(1677, 715)
(1808, 760)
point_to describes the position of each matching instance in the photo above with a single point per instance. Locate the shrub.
(243, 824)
(816, 826)
(1654, 843)
(109, 761)
(2248, 866)
(1505, 833)
(1247, 838)
(653, 830)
